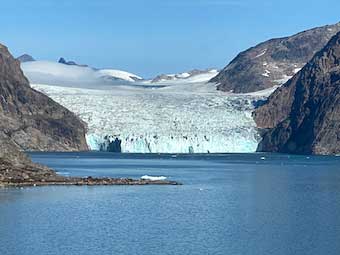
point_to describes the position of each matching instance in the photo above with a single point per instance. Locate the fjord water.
(228, 204)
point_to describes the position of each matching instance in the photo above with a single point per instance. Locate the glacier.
(162, 120)
(181, 116)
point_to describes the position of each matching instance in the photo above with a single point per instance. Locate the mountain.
(116, 75)
(108, 74)
(273, 62)
(70, 63)
(25, 58)
(303, 116)
(30, 119)
(52, 73)
(191, 76)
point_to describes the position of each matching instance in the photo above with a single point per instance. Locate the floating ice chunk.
(153, 178)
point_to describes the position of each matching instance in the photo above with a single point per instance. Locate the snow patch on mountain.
(52, 73)
(117, 74)
(193, 76)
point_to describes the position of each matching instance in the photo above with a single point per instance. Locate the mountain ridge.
(274, 61)
(30, 119)
(303, 116)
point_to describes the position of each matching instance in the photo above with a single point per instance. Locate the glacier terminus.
(170, 116)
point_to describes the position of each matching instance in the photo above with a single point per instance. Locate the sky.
(150, 37)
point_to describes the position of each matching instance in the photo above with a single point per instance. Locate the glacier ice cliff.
(174, 118)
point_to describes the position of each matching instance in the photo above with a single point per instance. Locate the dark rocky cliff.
(273, 62)
(303, 116)
(32, 120)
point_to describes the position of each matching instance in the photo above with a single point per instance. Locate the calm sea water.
(229, 204)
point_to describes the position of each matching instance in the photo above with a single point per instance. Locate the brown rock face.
(32, 120)
(273, 62)
(15, 165)
(303, 116)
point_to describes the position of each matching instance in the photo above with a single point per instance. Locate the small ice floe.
(263, 158)
(153, 178)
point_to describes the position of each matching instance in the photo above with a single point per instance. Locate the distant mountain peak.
(70, 63)
(25, 58)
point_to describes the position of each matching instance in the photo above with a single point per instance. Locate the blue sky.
(153, 36)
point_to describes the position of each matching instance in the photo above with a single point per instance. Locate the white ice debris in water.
(177, 117)
(154, 178)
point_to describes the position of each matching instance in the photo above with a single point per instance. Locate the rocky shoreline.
(36, 175)
(88, 182)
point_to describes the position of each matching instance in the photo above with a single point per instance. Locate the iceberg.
(154, 178)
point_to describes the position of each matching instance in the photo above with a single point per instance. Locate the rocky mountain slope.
(273, 62)
(30, 119)
(303, 116)
(186, 76)
(16, 167)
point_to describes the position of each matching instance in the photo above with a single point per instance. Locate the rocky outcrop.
(31, 120)
(273, 62)
(183, 76)
(303, 116)
(15, 165)
(25, 58)
(70, 63)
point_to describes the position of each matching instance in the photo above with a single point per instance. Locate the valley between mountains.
(282, 95)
